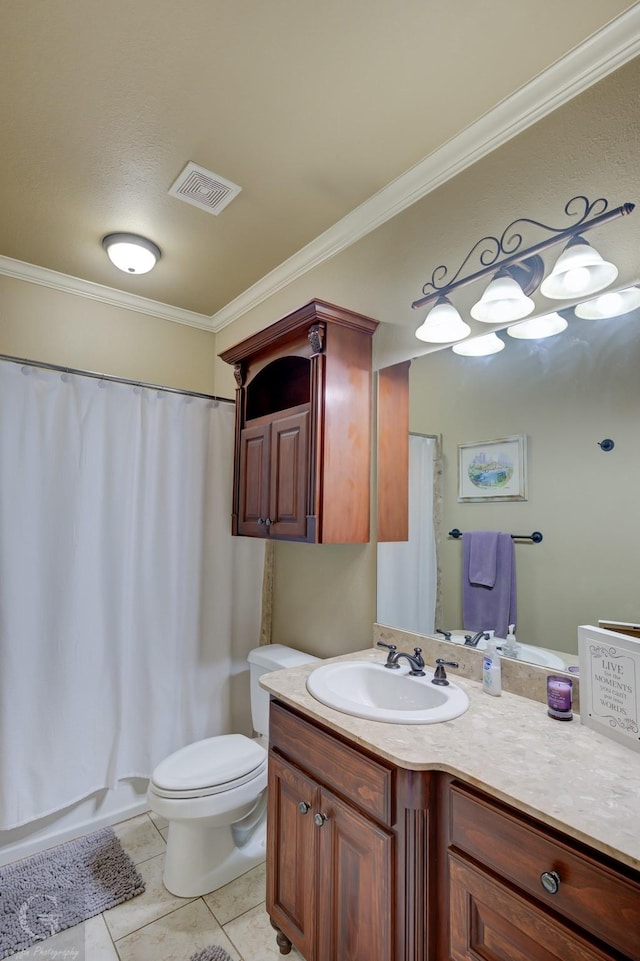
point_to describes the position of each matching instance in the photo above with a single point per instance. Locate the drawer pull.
(304, 807)
(550, 881)
(319, 819)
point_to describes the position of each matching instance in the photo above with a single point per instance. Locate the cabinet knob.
(550, 881)
(319, 819)
(268, 522)
(304, 807)
(260, 521)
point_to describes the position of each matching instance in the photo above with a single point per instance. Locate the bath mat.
(212, 953)
(62, 887)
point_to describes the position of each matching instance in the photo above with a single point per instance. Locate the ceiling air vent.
(204, 189)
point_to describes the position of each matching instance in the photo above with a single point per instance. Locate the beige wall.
(60, 328)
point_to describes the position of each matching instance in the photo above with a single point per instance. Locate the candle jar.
(559, 692)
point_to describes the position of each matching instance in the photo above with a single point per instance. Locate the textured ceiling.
(311, 107)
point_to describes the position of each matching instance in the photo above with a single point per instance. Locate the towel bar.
(536, 537)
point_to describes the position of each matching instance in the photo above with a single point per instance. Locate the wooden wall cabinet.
(303, 427)
(370, 862)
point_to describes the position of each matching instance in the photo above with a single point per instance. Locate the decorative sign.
(610, 684)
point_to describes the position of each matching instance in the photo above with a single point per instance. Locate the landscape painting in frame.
(493, 470)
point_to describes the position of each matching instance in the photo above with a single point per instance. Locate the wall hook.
(606, 444)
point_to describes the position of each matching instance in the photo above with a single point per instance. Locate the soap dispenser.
(511, 646)
(491, 670)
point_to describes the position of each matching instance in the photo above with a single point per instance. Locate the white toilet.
(213, 794)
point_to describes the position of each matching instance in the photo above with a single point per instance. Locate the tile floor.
(157, 926)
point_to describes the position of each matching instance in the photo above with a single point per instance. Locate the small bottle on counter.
(491, 671)
(510, 646)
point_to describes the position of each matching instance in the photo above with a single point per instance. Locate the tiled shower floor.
(157, 926)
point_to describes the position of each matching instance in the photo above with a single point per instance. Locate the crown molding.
(106, 295)
(602, 54)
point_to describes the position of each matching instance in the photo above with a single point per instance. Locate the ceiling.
(330, 116)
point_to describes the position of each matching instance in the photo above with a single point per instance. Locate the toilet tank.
(263, 660)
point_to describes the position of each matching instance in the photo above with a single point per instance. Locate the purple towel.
(488, 607)
(483, 558)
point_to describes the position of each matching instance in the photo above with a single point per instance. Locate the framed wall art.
(493, 470)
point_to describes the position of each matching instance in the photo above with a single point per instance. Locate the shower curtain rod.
(113, 379)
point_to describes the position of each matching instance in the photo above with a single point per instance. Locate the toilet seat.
(211, 766)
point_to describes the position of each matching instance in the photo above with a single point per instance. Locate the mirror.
(567, 394)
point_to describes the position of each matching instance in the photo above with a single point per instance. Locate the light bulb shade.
(479, 346)
(131, 253)
(443, 324)
(503, 300)
(579, 270)
(538, 327)
(612, 304)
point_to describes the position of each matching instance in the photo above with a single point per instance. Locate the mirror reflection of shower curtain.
(407, 570)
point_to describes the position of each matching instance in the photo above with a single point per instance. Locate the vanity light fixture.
(538, 327)
(612, 304)
(518, 270)
(579, 270)
(130, 253)
(504, 299)
(443, 324)
(479, 346)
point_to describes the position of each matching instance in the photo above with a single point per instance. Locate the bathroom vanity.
(499, 835)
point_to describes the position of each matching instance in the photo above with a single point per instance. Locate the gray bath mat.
(64, 886)
(212, 953)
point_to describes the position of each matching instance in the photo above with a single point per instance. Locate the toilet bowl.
(213, 794)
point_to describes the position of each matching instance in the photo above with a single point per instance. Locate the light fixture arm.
(509, 246)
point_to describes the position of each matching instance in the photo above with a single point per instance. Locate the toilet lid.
(215, 764)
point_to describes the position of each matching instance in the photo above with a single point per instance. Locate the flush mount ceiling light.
(443, 324)
(579, 270)
(607, 305)
(518, 270)
(479, 346)
(538, 327)
(131, 253)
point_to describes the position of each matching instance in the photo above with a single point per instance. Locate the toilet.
(213, 794)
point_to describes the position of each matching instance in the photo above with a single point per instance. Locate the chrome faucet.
(415, 660)
(445, 634)
(470, 641)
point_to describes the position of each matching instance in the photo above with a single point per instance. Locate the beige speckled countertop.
(563, 773)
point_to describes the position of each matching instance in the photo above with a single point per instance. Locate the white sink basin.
(370, 690)
(532, 655)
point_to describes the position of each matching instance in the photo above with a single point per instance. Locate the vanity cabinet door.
(355, 903)
(492, 922)
(292, 799)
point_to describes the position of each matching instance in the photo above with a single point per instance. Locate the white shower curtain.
(407, 571)
(126, 607)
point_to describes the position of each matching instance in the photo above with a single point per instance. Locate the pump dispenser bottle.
(491, 671)
(511, 646)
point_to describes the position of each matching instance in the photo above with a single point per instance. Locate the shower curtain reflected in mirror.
(407, 578)
(126, 606)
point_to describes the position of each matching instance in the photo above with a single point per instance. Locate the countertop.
(560, 772)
